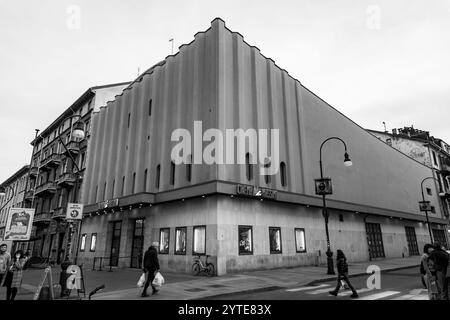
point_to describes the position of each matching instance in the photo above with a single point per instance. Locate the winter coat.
(17, 269)
(440, 258)
(151, 262)
(342, 266)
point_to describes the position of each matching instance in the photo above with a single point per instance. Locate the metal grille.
(412, 241)
(375, 240)
(439, 236)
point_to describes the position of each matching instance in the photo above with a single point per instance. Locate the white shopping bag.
(141, 281)
(159, 280)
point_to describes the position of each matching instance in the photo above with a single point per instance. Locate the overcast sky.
(374, 60)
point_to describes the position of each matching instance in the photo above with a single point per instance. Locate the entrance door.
(439, 236)
(115, 243)
(138, 244)
(412, 241)
(375, 240)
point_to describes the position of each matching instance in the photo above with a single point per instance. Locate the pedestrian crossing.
(364, 293)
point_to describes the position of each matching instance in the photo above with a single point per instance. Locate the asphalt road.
(395, 285)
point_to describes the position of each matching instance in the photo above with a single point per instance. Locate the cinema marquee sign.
(108, 204)
(256, 192)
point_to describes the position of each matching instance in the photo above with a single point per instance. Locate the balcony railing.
(46, 189)
(53, 160)
(59, 213)
(67, 179)
(73, 147)
(29, 195)
(34, 172)
(44, 217)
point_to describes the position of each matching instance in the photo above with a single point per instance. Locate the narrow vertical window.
(83, 242)
(150, 108)
(95, 194)
(129, 118)
(158, 173)
(283, 174)
(189, 169)
(112, 190)
(248, 166)
(123, 186)
(172, 173)
(104, 191)
(93, 242)
(134, 183)
(145, 180)
(267, 178)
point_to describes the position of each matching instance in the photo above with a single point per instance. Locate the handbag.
(159, 280)
(141, 280)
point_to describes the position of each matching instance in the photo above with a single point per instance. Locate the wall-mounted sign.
(425, 205)
(254, 191)
(74, 211)
(323, 186)
(108, 204)
(19, 224)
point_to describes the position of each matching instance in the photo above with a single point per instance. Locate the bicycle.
(198, 267)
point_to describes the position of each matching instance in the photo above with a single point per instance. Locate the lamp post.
(3, 193)
(77, 131)
(425, 206)
(324, 187)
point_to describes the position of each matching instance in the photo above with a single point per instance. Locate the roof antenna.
(171, 40)
(384, 123)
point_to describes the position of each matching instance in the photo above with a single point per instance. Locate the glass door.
(137, 244)
(115, 243)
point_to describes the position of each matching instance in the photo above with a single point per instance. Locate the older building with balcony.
(54, 180)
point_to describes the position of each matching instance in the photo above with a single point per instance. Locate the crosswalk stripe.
(308, 288)
(413, 293)
(379, 295)
(421, 297)
(347, 293)
(319, 291)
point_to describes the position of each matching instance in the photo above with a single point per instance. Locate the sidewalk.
(120, 284)
(263, 280)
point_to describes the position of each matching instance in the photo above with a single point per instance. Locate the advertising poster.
(19, 224)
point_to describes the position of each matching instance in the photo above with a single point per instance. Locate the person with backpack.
(342, 268)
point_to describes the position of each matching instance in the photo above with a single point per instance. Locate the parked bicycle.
(198, 267)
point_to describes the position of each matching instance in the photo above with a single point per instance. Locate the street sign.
(323, 186)
(74, 211)
(19, 224)
(425, 205)
(254, 191)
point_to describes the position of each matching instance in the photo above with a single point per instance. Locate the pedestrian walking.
(431, 281)
(13, 280)
(5, 262)
(424, 269)
(342, 268)
(440, 259)
(150, 267)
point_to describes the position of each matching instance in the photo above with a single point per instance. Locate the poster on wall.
(19, 224)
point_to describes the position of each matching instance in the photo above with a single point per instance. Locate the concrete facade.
(222, 81)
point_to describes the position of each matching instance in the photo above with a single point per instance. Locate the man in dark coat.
(150, 267)
(441, 260)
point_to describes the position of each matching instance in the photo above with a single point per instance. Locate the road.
(395, 285)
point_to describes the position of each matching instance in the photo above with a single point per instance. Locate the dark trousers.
(150, 277)
(11, 293)
(345, 278)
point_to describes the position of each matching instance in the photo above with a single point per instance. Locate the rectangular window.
(300, 241)
(433, 209)
(93, 242)
(275, 239)
(199, 246)
(180, 240)
(83, 242)
(245, 240)
(429, 192)
(434, 158)
(164, 240)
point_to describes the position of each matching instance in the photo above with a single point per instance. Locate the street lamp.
(324, 187)
(77, 131)
(3, 193)
(425, 206)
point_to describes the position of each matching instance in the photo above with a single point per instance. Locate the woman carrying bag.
(150, 267)
(13, 279)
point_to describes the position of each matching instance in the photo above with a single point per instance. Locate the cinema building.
(135, 194)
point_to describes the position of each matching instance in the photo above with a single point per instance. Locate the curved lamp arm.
(346, 157)
(12, 196)
(62, 142)
(421, 185)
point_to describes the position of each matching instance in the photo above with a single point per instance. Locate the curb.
(263, 289)
(361, 274)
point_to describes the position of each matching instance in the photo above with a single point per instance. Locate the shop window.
(199, 239)
(164, 240)
(83, 242)
(300, 241)
(245, 240)
(275, 240)
(93, 242)
(180, 240)
(283, 174)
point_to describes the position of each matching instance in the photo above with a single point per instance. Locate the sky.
(372, 60)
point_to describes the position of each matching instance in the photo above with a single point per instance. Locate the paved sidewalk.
(263, 280)
(121, 283)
